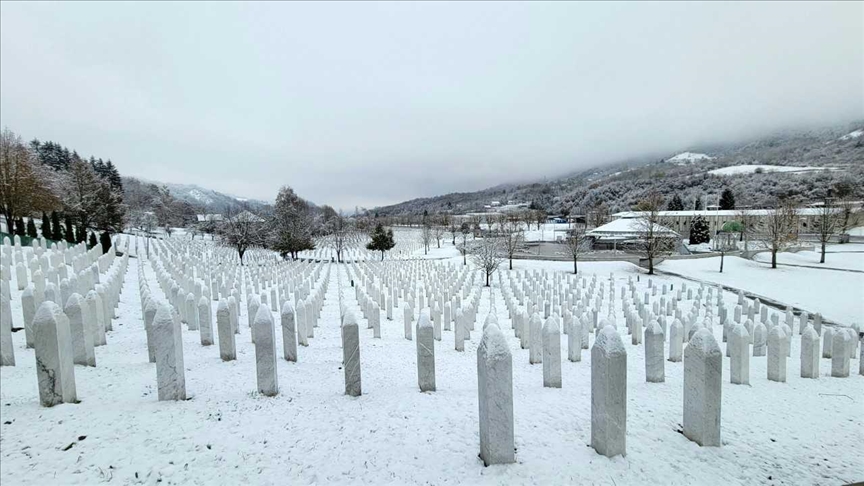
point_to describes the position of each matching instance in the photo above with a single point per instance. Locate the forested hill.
(812, 161)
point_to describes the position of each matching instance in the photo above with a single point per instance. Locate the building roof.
(208, 217)
(627, 228)
(727, 213)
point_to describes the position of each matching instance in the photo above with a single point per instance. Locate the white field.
(799, 432)
(751, 168)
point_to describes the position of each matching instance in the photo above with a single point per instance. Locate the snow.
(837, 295)
(845, 257)
(688, 157)
(751, 169)
(200, 196)
(311, 433)
(853, 134)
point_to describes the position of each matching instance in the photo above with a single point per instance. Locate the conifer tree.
(47, 232)
(105, 241)
(31, 229)
(699, 231)
(20, 229)
(676, 204)
(727, 199)
(698, 205)
(70, 233)
(382, 240)
(91, 243)
(80, 235)
(57, 230)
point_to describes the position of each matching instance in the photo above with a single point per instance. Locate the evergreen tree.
(698, 205)
(105, 241)
(70, 233)
(31, 229)
(676, 204)
(91, 243)
(20, 228)
(113, 176)
(727, 199)
(47, 232)
(80, 235)
(382, 240)
(57, 230)
(699, 232)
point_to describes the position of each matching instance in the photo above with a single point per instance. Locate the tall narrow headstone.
(351, 354)
(760, 340)
(551, 353)
(703, 375)
(777, 354)
(54, 355)
(810, 353)
(535, 326)
(739, 355)
(840, 354)
(574, 340)
(495, 397)
(82, 341)
(655, 364)
(265, 351)
(205, 322)
(289, 332)
(225, 328)
(609, 394)
(425, 352)
(150, 309)
(827, 342)
(170, 373)
(408, 314)
(7, 348)
(676, 341)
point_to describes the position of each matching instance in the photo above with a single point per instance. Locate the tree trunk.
(464, 259)
(773, 258)
(722, 255)
(487, 279)
(650, 265)
(822, 259)
(575, 268)
(382, 255)
(511, 263)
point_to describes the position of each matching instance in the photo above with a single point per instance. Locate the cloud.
(374, 103)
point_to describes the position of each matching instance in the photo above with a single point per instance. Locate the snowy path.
(312, 433)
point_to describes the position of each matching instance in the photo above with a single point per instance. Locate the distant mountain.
(695, 172)
(208, 199)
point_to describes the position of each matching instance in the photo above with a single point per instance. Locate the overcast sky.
(370, 104)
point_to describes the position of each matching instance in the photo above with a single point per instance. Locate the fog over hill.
(829, 154)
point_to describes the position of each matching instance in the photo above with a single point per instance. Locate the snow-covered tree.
(576, 244)
(780, 228)
(25, 185)
(828, 220)
(81, 196)
(699, 231)
(513, 238)
(382, 240)
(292, 225)
(488, 253)
(242, 230)
(464, 231)
(653, 239)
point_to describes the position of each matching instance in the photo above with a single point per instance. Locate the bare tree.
(438, 230)
(339, 235)
(539, 217)
(577, 243)
(426, 237)
(654, 239)
(750, 226)
(487, 253)
(242, 230)
(145, 222)
(24, 184)
(464, 230)
(513, 239)
(780, 228)
(598, 215)
(828, 220)
(453, 228)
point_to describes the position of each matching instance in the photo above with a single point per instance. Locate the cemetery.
(182, 365)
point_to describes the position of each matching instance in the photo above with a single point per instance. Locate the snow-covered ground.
(752, 168)
(688, 157)
(837, 295)
(852, 134)
(847, 257)
(313, 434)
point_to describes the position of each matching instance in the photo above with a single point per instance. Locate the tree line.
(42, 179)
